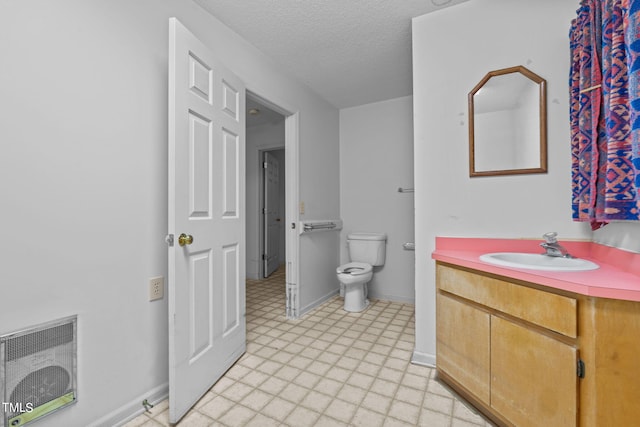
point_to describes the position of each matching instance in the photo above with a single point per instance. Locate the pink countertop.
(617, 278)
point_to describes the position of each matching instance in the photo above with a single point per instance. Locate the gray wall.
(623, 235)
(376, 157)
(83, 116)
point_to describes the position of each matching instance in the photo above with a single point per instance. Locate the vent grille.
(40, 387)
(37, 341)
(38, 370)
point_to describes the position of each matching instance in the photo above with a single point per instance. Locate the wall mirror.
(508, 123)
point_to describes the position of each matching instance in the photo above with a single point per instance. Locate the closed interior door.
(271, 250)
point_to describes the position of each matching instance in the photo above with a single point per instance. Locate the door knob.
(185, 239)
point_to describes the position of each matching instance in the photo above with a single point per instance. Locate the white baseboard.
(330, 295)
(131, 410)
(304, 310)
(392, 298)
(423, 359)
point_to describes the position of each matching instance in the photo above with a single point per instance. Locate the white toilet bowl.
(354, 276)
(366, 250)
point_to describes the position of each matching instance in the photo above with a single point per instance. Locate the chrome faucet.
(552, 247)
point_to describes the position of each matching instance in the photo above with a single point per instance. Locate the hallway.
(329, 368)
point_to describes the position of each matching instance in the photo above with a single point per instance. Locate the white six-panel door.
(206, 275)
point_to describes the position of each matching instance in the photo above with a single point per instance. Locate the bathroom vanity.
(540, 348)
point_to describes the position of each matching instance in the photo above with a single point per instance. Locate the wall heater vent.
(38, 371)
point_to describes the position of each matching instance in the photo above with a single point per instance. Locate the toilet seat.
(366, 251)
(355, 268)
(353, 278)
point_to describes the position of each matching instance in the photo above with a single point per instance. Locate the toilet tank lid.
(367, 236)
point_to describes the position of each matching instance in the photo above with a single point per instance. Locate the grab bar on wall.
(311, 226)
(405, 190)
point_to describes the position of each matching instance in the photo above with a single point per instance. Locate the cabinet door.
(533, 377)
(462, 348)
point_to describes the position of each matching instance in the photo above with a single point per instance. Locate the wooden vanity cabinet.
(533, 376)
(509, 349)
(463, 345)
(512, 349)
(609, 344)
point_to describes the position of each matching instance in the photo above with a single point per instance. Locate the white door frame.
(292, 202)
(291, 144)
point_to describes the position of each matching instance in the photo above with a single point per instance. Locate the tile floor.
(329, 368)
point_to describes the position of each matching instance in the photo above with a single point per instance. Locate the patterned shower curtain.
(605, 111)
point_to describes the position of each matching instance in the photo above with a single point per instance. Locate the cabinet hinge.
(580, 368)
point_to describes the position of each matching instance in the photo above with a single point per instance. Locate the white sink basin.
(538, 261)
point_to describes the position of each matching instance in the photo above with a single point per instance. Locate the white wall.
(376, 158)
(623, 235)
(83, 122)
(320, 178)
(452, 50)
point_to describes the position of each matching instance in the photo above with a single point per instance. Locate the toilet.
(366, 250)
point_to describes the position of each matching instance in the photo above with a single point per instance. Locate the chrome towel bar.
(310, 226)
(319, 226)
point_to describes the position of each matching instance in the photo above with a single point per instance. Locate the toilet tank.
(367, 247)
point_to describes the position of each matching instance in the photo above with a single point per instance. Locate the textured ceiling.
(351, 52)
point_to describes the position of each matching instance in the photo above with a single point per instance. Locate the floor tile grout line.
(359, 405)
(334, 339)
(351, 374)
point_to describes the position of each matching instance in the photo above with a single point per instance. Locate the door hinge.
(264, 165)
(264, 257)
(580, 370)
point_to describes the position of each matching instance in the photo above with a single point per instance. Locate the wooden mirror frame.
(542, 85)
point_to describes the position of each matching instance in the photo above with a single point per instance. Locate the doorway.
(272, 131)
(207, 198)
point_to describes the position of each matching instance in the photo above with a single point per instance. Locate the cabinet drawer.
(555, 312)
